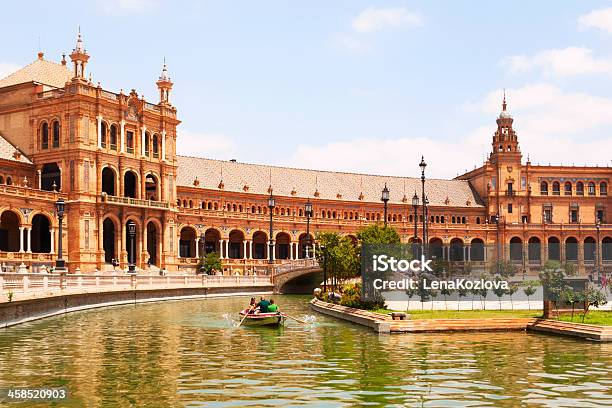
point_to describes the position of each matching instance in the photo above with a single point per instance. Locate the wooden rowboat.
(262, 319)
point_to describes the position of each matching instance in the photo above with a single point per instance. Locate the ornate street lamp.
(271, 205)
(60, 206)
(308, 213)
(324, 252)
(597, 226)
(385, 199)
(415, 205)
(496, 221)
(422, 165)
(202, 249)
(131, 229)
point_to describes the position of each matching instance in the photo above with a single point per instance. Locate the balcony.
(134, 202)
(511, 193)
(29, 192)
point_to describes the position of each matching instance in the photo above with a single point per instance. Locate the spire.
(79, 44)
(164, 84)
(79, 58)
(504, 101)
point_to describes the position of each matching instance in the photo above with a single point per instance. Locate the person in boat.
(273, 307)
(252, 305)
(263, 305)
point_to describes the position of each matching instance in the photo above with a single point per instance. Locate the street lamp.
(202, 249)
(131, 229)
(60, 206)
(422, 165)
(324, 252)
(271, 205)
(496, 221)
(385, 199)
(597, 226)
(308, 213)
(415, 205)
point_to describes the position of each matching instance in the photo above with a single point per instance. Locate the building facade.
(112, 158)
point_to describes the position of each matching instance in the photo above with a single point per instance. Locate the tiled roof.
(286, 181)
(40, 71)
(11, 153)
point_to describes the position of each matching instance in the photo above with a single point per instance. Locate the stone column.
(197, 248)
(268, 255)
(21, 239)
(244, 253)
(142, 141)
(52, 233)
(221, 248)
(251, 249)
(29, 239)
(99, 118)
(39, 173)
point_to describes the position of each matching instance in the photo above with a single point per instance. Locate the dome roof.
(505, 115)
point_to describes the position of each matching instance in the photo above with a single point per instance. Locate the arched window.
(113, 137)
(147, 146)
(463, 220)
(453, 219)
(567, 189)
(129, 141)
(556, 188)
(56, 134)
(543, 188)
(103, 131)
(477, 220)
(1, 180)
(209, 206)
(591, 188)
(9, 181)
(155, 146)
(603, 188)
(44, 136)
(203, 205)
(580, 188)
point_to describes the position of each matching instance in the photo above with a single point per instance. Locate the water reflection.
(188, 354)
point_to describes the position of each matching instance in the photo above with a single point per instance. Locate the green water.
(187, 353)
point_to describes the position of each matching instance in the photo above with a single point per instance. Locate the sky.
(359, 86)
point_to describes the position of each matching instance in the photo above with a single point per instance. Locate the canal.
(189, 353)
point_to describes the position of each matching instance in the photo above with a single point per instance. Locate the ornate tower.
(164, 84)
(505, 142)
(79, 59)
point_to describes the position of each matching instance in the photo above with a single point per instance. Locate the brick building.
(112, 157)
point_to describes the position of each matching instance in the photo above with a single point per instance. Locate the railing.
(296, 264)
(110, 95)
(134, 201)
(31, 283)
(53, 93)
(151, 106)
(29, 192)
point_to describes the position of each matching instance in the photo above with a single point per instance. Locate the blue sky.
(363, 86)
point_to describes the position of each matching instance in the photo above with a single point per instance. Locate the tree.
(210, 263)
(462, 292)
(341, 256)
(378, 234)
(593, 298)
(499, 291)
(445, 291)
(511, 291)
(530, 290)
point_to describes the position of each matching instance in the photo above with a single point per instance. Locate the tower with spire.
(164, 84)
(505, 142)
(79, 59)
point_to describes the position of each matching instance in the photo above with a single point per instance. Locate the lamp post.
(202, 248)
(131, 229)
(324, 252)
(415, 205)
(425, 224)
(597, 226)
(422, 165)
(385, 199)
(60, 207)
(271, 205)
(496, 220)
(308, 213)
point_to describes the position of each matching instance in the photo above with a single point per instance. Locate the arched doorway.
(108, 181)
(132, 243)
(9, 232)
(554, 249)
(152, 243)
(41, 234)
(571, 249)
(151, 189)
(108, 240)
(282, 245)
(303, 243)
(50, 177)
(236, 245)
(534, 250)
(456, 250)
(516, 249)
(477, 250)
(130, 183)
(436, 248)
(606, 249)
(260, 242)
(212, 237)
(187, 243)
(590, 249)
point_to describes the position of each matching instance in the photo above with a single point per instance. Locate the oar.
(245, 316)
(297, 320)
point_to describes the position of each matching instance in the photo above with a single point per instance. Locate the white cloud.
(600, 19)
(204, 145)
(118, 7)
(376, 19)
(553, 126)
(560, 62)
(351, 44)
(7, 68)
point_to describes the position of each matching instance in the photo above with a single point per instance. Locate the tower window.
(544, 188)
(56, 134)
(509, 208)
(603, 188)
(574, 215)
(44, 136)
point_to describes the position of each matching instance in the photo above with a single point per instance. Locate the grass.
(599, 318)
(466, 314)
